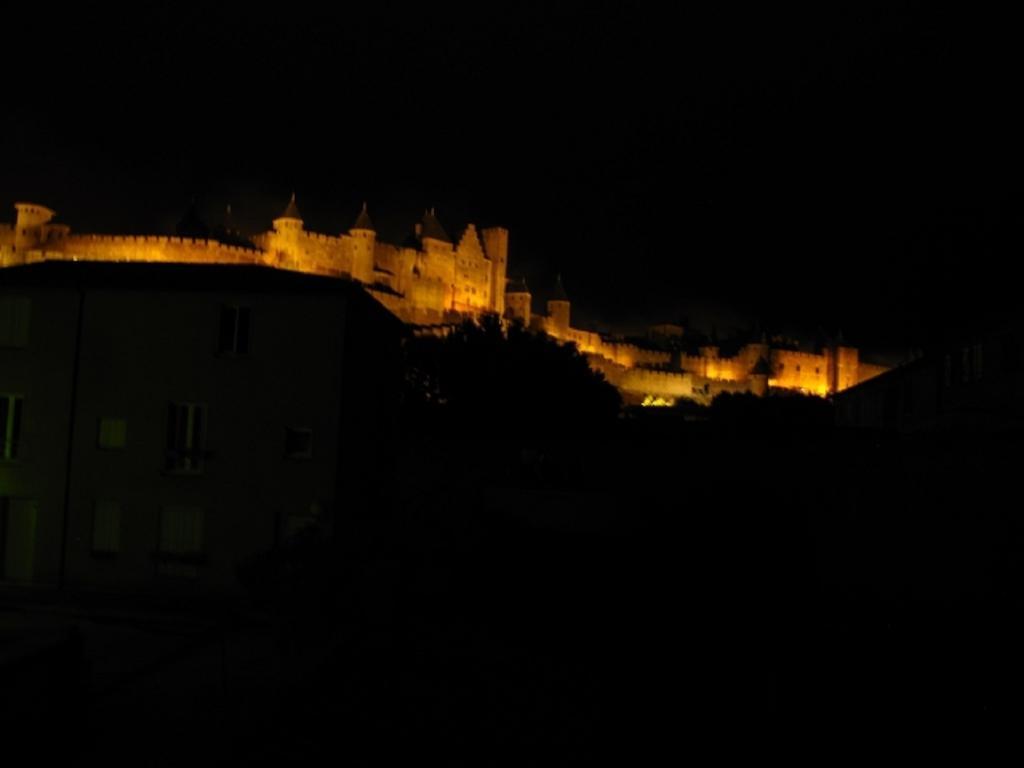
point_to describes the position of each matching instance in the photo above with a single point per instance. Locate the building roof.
(171, 278)
(432, 227)
(192, 223)
(559, 292)
(363, 221)
(517, 285)
(292, 211)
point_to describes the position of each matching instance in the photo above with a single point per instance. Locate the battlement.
(117, 241)
(798, 357)
(319, 237)
(438, 282)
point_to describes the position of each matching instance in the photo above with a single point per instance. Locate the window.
(234, 330)
(14, 314)
(106, 528)
(112, 433)
(298, 443)
(180, 547)
(186, 437)
(10, 426)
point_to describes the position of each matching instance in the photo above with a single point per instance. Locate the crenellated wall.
(439, 282)
(711, 366)
(296, 249)
(802, 371)
(649, 381)
(756, 368)
(139, 249)
(423, 284)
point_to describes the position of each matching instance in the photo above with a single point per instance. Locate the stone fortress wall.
(645, 374)
(431, 281)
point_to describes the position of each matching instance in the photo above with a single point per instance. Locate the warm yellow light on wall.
(654, 401)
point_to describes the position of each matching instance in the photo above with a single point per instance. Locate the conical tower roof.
(363, 221)
(432, 227)
(517, 285)
(559, 293)
(292, 211)
(192, 223)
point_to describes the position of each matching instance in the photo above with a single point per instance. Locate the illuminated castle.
(431, 280)
(657, 374)
(428, 280)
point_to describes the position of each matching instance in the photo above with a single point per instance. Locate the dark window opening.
(186, 437)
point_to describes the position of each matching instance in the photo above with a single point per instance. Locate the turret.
(496, 249)
(289, 222)
(30, 225)
(709, 359)
(364, 239)
(843, 365)
(431, 234)
(756, 351)
(558, 308)
(758, 377)
(518, 301)
(847, 367)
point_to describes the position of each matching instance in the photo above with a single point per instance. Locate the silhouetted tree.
(481, 380)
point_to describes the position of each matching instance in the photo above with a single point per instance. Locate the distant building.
(667, 366)
(431, 281)
(427, 279)
(161, 422)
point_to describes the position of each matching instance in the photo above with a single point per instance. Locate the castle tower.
(758, 377)
(558, 309)
(30, 225)
(847, 366)
(496, 249)
(431, 234)
(842, 365)
(284, 242)
(289, 222)
(364, 239)
(518, 302)
(709, 358)
(755, 352)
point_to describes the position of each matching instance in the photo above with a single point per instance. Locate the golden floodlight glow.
(656, 401)
(432, 281)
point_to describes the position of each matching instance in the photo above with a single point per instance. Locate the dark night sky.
(806, 165)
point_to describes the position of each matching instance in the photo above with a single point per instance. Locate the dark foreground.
(568, 603)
